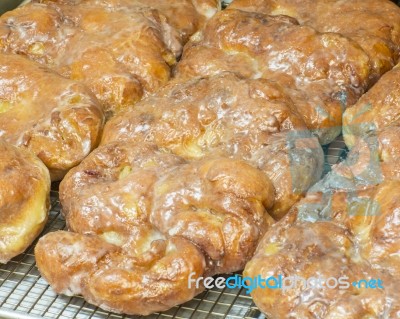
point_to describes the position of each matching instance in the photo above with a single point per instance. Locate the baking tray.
(25, 294)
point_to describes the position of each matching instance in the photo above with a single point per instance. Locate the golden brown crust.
(110, 192)
(376, 110)
(122, 50)
(374, 158)
(320, 249)
(120, 187)
(373, 24)
(321, 72)
(56, 118)
(133, 194)
(226, 115)
(293, 162)
(24, 199)
(368, 213)
(116, 281)
(342, 233)
(218, 204)
(205, 115)
(186, 16)
(347, 225)
(146, 220)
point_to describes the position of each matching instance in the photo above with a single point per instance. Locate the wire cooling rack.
(25, 294)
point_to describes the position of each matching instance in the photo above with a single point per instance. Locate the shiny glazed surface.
(121, 50)
(373, 24)
(209, 161)
(355, 246)
(144, 219)
(250, 119)
(56, 118)
(348, 224)
(24, 199)
(138, 210)
(106, 276)
(322, 73)
(375, 111)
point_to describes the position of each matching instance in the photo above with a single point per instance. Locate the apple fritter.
(58, 119)
(322, 73)
(143, 220)
(122, 50)
(373, 24)
(24, 199)
(249, 119)
(346, 227)
(376, 110)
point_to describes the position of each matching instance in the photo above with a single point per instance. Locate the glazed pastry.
(376, 110)
(106, 276)
(24, 199)
(144, 220)
(345, 226)
(57, 119)
(375, 158)
(373, 24)
(122, 50)
(172, 169)
(186, 16)
(223, 114)
(350, 248)
(121, 186)
(322, 73)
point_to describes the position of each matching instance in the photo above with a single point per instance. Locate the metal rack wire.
(25, 294)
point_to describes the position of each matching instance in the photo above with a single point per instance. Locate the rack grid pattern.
(24, 291)
(25, 294)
